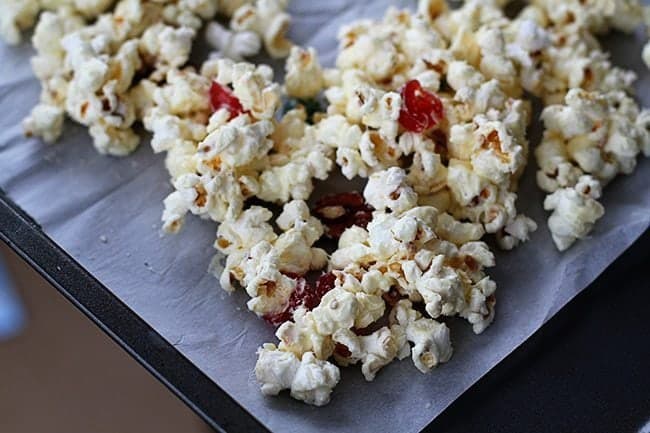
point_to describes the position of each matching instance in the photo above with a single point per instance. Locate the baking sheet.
(105, 212)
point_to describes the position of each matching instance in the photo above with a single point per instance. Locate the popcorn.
(430, 338)
(574, 58)
(230, 156)
(494, 61)
(170, 131)
(304, 76)
(432, 9)
(483, 128)
(296, 252)
(504, 50)
(220, 151)
(268, 288)
(437, 185)
(499, 155)
(183, 95)
(298, 157)
(17, 15)
(556, 171)
(523, 49)
(166, 47)
(392, 242)
(371, 309)
(190, 13)
(596, 17)
(252, 86)
(643, 126)
(214, 197)
(452, 230)
(98, 103)
(463, 182)
(588, 141)
(249, 229)
(337, 310)
(291, 252)
(575, 211)
(237, 143)
(480, 309)
(228, 7)
(374, 351)
(427, 174)
(301, 336)
(90, 8)
(400, 250)
(49, 31)
(375, 54)
(516, 231)
(646, 54)
(44, 121)
(455, 285)
(388, 190)
(111, 140)
(441, 289)
(89, 69)
(269, 20)
(231, 44)
(309, 379)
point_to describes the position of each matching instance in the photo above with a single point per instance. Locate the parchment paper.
(106, 211)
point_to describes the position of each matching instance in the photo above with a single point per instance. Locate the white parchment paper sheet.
(79, 196)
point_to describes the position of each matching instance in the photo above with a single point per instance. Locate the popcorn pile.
(99, 64)
(442, 148)
(428, 107)
(252, 24)
(588, 140)
(464, 159)
(19, 15)
(594, 130)
(227, 150)
(366, 308)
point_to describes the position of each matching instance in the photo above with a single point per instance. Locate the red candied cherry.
(222, 97)
(342, 350)
(392, 297)
(304, 295)
(341, 211)
(296, 299)
(277, 319)
(324, 284)
(421, 109)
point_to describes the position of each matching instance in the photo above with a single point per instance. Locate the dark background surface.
(586, 370)
(59, 373)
